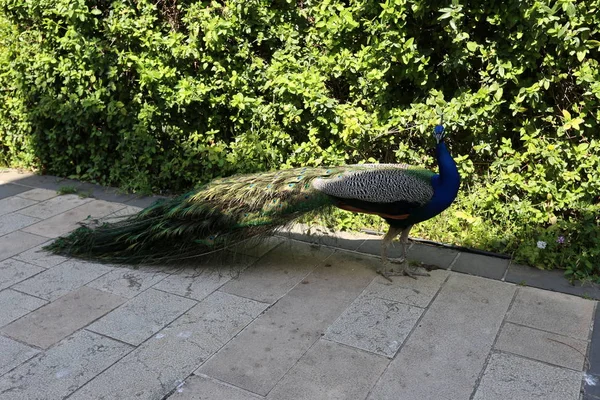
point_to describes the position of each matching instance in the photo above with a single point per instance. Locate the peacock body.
(229, 210)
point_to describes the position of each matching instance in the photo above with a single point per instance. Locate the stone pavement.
(286, 319)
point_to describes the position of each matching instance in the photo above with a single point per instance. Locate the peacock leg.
(385, 244)
(403, 268)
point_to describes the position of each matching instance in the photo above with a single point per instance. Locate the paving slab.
(163, 362)
(53, 322)
(274, 342)
(13, 305)
(65, 222)
(376, 325)
(9, 189)
(199, 387)
(324, 237)
(13, 353)
(278, 272)
(477, 264)
(373, 247)
(509, 377)
(61, 370)
(543, 346)
(38, 194)
(552, 312)
(142, 316)
(330, 371)
(60, 280)
(432, 255)
(17, 242)
(14, 203)
(127, 282)
(14, 271)
(405, 290)
(54, 206)
(13, 222)
(257, 248)
(447, 350)
(197, 283)
(40, 257)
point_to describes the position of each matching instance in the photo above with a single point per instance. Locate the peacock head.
(438, 133)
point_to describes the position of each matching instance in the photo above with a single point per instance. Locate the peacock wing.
(384, 189)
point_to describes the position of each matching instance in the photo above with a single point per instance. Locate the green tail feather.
(222, 213)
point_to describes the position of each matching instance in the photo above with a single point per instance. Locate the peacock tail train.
(230, 210)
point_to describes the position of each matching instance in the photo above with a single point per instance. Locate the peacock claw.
(405, 269)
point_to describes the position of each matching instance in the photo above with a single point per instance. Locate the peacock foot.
(401, 267)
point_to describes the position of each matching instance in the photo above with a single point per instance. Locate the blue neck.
(446, 184)
(445, 187)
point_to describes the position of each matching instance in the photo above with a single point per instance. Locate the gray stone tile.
(161, 364)
(40, 257)
(509, 377)
(62, 224)
(127, 282)
(324, 237)
(14, 305)
(477, 264)
(60, 280)
(278, 272)
(199, 387)
(447, 350)
(142, 316)
(9, 189)
(55, 321)
(373, 247)
(554, 312)
(432, 255)
(257, 248)
(144, 201)
(10, 204)
(54, 206)
(13, 354)
(261, 354)
(64, 368)
(38, 194)
(551, 280)
(17, 242)
(330, 371)
(211, 274)
(376, 325)
(14, 271)
(543, 346)
(13, 222)
(403, 289)
(122, 214)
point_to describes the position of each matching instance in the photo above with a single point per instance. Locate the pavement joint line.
(32, 295)
(454, 261)
(547, 331)
(510, 263)
(86, 328)
(414, 328)
(388, 359)
(226, 384)
(174, 294)
(269, 305)
(495, 351)
(27, 262)
(493, 346)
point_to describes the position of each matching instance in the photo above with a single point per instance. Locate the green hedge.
(155, 95)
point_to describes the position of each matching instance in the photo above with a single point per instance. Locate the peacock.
(230, 210)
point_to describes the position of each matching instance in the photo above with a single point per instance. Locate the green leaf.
(471, 46)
